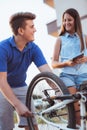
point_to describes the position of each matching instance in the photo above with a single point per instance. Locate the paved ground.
(17, 128)
(42, 128)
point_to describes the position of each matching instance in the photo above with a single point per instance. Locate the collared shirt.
(16, 62)
(71, 47)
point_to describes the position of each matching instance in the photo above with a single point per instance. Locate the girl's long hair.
(78, 27)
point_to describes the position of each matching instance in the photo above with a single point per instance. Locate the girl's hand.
(81, 60)
(70, 63)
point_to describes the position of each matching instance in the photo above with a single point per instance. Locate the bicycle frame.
(56, 106)
(82, 99)
(83, 112)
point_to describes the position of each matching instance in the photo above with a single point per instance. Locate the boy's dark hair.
(18, 20)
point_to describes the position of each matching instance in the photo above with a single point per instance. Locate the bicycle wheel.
(43, 86)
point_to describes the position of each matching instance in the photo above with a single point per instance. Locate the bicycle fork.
(83, 112)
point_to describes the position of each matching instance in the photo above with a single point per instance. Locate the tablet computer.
(78, 56)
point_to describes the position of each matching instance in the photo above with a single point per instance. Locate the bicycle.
(54, 105)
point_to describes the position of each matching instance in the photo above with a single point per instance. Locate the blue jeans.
(73, 80)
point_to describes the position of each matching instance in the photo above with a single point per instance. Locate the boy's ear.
(21, 31)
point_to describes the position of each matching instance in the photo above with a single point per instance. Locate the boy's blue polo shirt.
(16, 62)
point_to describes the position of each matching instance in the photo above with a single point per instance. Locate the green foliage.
(15, 117)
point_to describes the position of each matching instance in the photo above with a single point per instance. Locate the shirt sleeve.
(3, 60)
(38, 57)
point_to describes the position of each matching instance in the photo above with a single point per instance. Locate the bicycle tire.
(62, 90)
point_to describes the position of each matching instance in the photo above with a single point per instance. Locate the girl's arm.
(56, 53)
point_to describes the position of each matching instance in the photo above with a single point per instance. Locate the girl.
(70, 43)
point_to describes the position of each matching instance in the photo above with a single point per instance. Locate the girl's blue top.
(71, 47)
